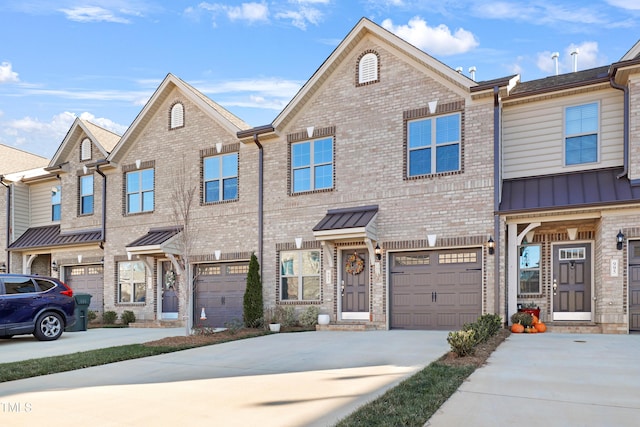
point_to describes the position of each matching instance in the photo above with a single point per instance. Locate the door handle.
(555, 285)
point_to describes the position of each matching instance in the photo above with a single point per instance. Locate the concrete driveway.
(551, 380)
(293, 379)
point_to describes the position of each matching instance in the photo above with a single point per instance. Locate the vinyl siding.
(40, 201)
(20, 217)
(533, 134)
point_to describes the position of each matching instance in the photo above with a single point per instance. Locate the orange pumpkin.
(517, 328)
(541, 327)
(535, 319)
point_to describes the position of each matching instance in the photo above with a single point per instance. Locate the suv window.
(44, 285)
(18, 285)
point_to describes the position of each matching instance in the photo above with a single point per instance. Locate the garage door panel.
(87, 279)
(220, 293)
(429, 295)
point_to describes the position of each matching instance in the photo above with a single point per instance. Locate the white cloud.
(299, 18)
(250, 12)
(625, 4)
(542, 12)
(7, 75)
(105, 123)
(93, 14)
(433, 40)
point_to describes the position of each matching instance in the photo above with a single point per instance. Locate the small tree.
(253, 303)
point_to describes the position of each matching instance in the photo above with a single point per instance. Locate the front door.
(572, 282)
(355, 284)
(169, 291)
(634, 286)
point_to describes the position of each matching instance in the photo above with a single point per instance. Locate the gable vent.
(368, 68)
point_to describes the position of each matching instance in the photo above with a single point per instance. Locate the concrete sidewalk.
(294, 379)
(551, 380)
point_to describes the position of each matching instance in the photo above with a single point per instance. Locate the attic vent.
(85, 149)
(368, 68)
(177, 116)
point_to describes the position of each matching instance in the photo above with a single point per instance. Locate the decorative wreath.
(355, 264)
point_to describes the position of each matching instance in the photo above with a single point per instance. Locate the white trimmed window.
(86, 195)
(140, 191)
(312, 165)
(132, 278)
(56, 200)
(220, 175)
(581, 134)
(529, 269)
(368, 68)
(85, 149)
(177, 116)
(300, 275)
(433, 145)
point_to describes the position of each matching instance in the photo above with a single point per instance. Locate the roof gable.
(16, 160)
(366, 28)
(104, 140)
(225, 118)
(633, 53)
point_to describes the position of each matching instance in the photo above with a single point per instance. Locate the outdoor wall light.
(378, 252)
(491, 245)
(3, 268)
(54, 266)
(619, 240)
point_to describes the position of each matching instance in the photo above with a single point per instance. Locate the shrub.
(92, 315)
(309, 317)
(252, 308)
(128, 317)
(203, 330)
(286, 315)
(462, 342)
(233, 326)
(485, 327)
(524, 318)
(109, 317)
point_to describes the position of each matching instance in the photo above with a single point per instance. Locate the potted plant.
(521, 321)
(271, 319)
(530, 308)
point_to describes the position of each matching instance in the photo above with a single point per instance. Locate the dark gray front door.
(634, 286)
(572, 282)
(355, 281)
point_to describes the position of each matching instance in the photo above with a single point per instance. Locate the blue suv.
(31, 304)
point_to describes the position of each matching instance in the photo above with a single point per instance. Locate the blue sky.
(101, 60)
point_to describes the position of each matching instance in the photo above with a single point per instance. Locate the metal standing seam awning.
(156, 241)
(357, 223)
(50, 236)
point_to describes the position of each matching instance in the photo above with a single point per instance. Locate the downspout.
(8, 242)
(625, 136)
(260, 198)
(496, 198)
(103, 230)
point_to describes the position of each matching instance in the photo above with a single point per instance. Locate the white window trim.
(312, 166)
(221, 178)
(300, 276)
(82, 195)
(565, 135)
(140, 192)
(539, 268)
(434, 145)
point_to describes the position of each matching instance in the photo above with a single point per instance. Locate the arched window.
(177, 116)
(85, 149)
(368, 68)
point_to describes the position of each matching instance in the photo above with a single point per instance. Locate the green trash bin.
(81, 312)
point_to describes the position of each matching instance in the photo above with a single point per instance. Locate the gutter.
(496, 197)
(625, 133)
(260, 199)
(8, 242)
(103, 230)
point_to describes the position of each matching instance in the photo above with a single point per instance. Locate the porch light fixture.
(378, 252)
(491, 245)
(619, 240)
(54, 266)
(3, 268)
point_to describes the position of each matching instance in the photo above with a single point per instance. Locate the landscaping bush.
(92, 315)
(524, 318)
(128, 317)
(233, 326)
(309, 317)
(462, 342)
(286, 315)
(109, 317)
(252, 309)
(485, 327)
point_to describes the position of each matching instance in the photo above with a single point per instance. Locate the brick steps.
(354, 327)
(157, 324)
(574, 327)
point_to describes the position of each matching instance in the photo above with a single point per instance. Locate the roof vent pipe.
(459, 70)
(472, 71)
(575, 53)
(555, 56)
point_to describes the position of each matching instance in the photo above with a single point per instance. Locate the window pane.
(323, 176)
(125, 292)
(447, 158)
(287, 263)
(448, 129)
(133, 182)
(420, 133)
(230, 165)
(311, 288)
(87, 204)
(322, 151)
(139, 292)
(55, 213)
(582, 119)
(133, 203)
(86, 185)
(230, 189)
(420, 162)
(147, 179)
(212, 191)
(310, 263)
(211, 168)
(530, 256)
(290, 288)
(581, 149)
(301, 180)
(301, 155)
(147, 201)
(529, 282)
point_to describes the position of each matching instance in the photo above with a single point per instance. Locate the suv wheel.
(49, 327)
